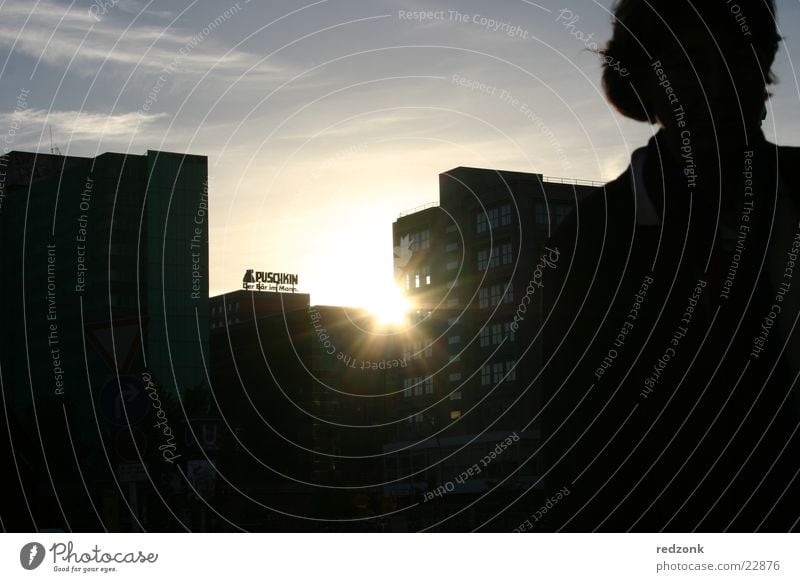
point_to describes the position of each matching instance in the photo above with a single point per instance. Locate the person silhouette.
(668, 397)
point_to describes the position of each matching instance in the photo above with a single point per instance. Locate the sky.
(323, 121)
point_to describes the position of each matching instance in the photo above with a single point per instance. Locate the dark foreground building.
(466, 420)
(104, 325)
(300, 389)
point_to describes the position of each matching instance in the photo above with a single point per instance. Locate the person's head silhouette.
(699, 68)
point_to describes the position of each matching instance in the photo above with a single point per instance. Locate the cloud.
(79, 125)
(136, 7)
(62, 36)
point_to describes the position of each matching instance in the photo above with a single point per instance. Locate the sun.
(389, 306)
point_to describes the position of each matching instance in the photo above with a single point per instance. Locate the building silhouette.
(301, 392)
(466, 264)
(105, 324)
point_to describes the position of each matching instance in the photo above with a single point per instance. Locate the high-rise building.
(301, 390)
(469, 267)
(104, 326)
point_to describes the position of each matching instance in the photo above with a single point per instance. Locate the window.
(417, 350)
(451, 228)
(406, 387)
(418, 418)
(483, 298)
(558, 212)
(455, 377)
(495, 294)
(455, 357)
(541, 214)
(497, 333)
(452, 302)
(493, 217)
(420, 240)
(456, 395)
(508, 331)
(421, 315)
(452, 265)
(488, 259)
(428, 385)
(505, 215)
(497, 373)
(509, 296)
(421, 277)
(418, 381)
(451, 247)
(506, 254)
(455, 414)
(562, 211)
(481, 225)
(454, 339)
(452, 321)
(511, 371)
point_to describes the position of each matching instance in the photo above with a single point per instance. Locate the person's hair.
(644, 26)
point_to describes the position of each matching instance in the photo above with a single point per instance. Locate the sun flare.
(390, 307)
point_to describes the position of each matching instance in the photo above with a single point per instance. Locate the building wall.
(472, 376)
(85, 243)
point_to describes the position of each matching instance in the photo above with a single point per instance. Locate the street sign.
(207, 435)
(117, 347)
(124, 401)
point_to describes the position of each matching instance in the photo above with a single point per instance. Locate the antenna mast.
(53, 149)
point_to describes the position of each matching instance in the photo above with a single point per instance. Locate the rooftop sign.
(268, 281)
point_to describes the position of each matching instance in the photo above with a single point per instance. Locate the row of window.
(221, 308)
(489, 296)
(497, 373)
(418, 349)
(490, 258)
(417, 386)
(492, 335)
(420, 240)
(420, 418)
(495, 217)
(493, 373)
(558, 213)
(494, 295)
(422, 277)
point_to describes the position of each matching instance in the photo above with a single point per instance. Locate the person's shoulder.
(787, 156)
(788, 162)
